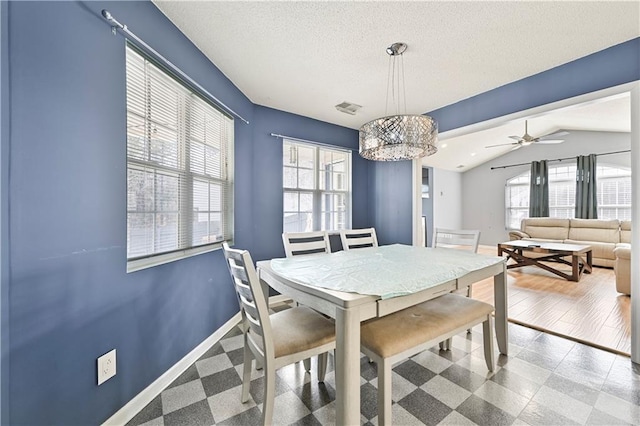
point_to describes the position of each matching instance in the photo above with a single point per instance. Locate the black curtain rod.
(560, 159)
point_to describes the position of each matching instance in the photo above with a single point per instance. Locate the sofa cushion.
(543, 240)
(546, 228)
(598, 249)
(625, 231)
(607, 231)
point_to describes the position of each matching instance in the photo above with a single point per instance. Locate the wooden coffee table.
(520, 250)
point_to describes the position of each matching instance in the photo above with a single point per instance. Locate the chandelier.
(398, 137)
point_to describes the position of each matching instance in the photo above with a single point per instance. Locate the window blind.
(179, 157)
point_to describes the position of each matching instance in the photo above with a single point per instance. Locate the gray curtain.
(586, 195)
(539, 189)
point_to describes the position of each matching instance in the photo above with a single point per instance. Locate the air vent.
(348, 108)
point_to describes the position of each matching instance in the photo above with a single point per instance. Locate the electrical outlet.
(106, 366)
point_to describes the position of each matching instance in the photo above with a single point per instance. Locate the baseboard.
(133, 407)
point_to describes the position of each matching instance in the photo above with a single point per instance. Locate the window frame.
(522, 179)
(187, 176)
(317, 192)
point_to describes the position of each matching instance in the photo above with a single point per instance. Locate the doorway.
(634, 90)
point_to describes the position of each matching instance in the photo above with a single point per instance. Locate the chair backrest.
(358, 238)
(457, 238)
(253, 304)
(298, 243)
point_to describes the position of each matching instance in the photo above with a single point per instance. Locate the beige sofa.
(610, 240)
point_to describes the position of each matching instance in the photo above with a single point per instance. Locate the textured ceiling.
(306, 57)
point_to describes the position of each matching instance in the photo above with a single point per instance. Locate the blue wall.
(390, 201)
(70, 299)
(4, 216)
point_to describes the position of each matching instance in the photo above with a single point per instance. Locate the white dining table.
(356, 285)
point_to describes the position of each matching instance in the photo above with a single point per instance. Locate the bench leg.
(487, 337)
(384, 392)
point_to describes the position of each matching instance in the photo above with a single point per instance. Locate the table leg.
(347, 367)
(500, 303)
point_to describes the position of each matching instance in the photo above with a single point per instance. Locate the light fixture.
(398, 137)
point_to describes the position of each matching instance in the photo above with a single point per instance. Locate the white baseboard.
(133, 407)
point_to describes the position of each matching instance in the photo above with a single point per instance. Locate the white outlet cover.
(106, 366)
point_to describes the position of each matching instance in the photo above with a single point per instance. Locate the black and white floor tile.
(545, 380)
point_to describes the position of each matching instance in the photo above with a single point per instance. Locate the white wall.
(483, 205)
(447, 199)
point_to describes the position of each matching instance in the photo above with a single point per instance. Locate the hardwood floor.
(589, 311)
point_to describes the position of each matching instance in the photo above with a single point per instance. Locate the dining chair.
(304, 243)
(275, 340)
(457, 238)
(298, 243)
(358, 238)
(403, 334)
(463, 239)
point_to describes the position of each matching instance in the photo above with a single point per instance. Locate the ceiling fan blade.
(556, 135)
(501, 144)
(518, 146)
(515, 137)
(549, 141)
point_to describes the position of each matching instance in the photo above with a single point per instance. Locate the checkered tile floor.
(546, 380)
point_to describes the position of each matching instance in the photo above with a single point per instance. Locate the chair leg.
(322, 366)
(384, 392)
(246, 373)
(487, 337)
(307, 365)
(269, 393)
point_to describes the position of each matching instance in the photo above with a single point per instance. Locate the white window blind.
(317, 188)
(179, 166)
(613, 193)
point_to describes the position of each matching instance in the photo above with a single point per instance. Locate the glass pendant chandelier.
(398, 137)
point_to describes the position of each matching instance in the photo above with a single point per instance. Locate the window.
(614, 194)
(317, 188)
(179, 173)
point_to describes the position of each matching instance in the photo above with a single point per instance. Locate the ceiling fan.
(527, 139)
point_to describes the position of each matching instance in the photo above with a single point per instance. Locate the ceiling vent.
(348, 108)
